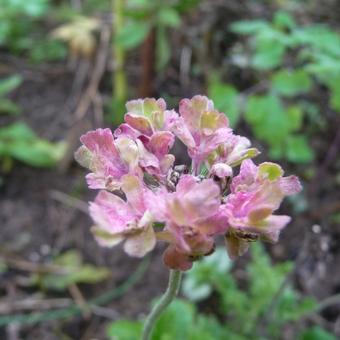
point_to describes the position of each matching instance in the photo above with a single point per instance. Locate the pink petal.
(139, 123)
(100, 141)
(111, 213)
(246, 177)
(290, 185)
(199, 202)
(180, 129)
(126, 130)
(160, 143)
(133, 189)
(140, 244)
(192, 109)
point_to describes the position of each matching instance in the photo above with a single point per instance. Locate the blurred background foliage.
(272, 66)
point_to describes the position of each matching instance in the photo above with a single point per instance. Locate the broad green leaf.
(124, 330)
(268, 119)
(185, 5)
(20, 142)
(17, 131)
(9, 84)
(225, 98)
(283, 20)
(74, 271)
(199, 281)
(38, 152)
(290, 83)
(175, 322)
(335, 99)
(268, 55)
(133, 34)
(294, 117)
(8, 107)
(256, 109)
(316, 333)
(168, 16)
(298, 150)
(248, 26)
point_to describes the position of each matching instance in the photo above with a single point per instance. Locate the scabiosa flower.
(145, 198)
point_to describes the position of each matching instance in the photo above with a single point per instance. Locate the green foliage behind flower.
(239, 309)
(289, 63)
(144, 15)
(21, 31)
(18, 141)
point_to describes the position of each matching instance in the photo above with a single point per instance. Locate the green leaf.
(335, 99)
(298, 150)
(133, 34)
(294, 116)
(316, 333)
(124, 330)
(283, 20)
(8, 107)
(175, 322)
(199, 281)
(290, 83)
(17, 131)
(268, 55)
(74, 271)
(256, 109)
(20, 142)
(9, 84)
(248, 26)
(37, 152)
(268, 119)
(168, 16)
(225, 98)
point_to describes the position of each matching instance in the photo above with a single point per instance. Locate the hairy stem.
(165, 300)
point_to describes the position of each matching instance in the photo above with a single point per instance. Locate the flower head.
(151, 199)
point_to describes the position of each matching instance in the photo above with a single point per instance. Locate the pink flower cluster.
(144, 197)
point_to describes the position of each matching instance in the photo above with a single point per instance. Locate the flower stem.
(171, 292)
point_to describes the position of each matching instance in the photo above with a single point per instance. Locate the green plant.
(240, 309)
(16, 19)
(20, 31)
(6, 86)
(18, 141)
(288, 63)
(145, 15)
(68, 269)
(137, 22)
(247, 307)
(175, 323)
